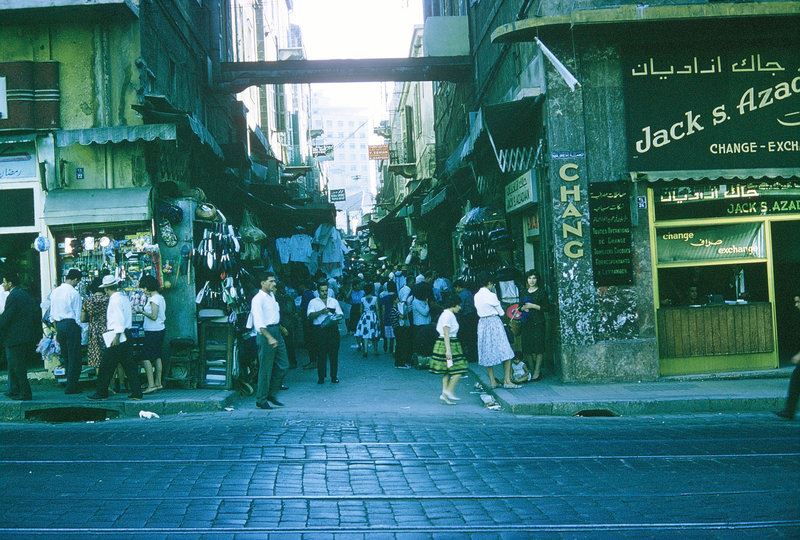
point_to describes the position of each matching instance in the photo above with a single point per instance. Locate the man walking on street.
(65, 312)
(790, 408)
(19, 334)
(273, 361)
(324, 313)
(119, 320)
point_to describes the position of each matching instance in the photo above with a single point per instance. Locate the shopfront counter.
(715, 330)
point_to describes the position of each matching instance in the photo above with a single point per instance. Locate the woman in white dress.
(493, 345)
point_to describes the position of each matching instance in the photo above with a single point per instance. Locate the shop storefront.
(720, 277)
(22, 200)
(724, 226)
(102, 232)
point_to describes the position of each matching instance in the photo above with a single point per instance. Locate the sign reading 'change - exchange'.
(704, 108)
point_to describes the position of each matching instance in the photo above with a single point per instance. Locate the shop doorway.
(786, 268)
(16, 251)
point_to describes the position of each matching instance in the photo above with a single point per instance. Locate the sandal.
(511, 386)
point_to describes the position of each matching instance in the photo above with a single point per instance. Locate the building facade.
(645, 162)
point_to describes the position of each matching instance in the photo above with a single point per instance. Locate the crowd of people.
(425, 321)
(422, 320)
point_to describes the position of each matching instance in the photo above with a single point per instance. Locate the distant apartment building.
(348, 131)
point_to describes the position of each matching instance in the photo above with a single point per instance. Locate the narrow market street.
(377, 456)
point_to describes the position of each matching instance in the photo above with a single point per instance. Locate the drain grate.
(59, 415)
(596, 413)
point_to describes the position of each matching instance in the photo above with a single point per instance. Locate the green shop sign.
(710, 243)
(730, 199)
(713, 107)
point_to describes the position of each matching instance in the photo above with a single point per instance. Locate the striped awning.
(116, 134)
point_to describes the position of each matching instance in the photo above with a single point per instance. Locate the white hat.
(419, 279)
(109, 281)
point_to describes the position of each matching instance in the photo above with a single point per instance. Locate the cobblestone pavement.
(370, 476)
(377, 456)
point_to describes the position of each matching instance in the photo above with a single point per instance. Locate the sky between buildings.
(358, 29)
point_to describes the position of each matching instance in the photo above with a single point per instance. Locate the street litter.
(148, 415)
(490, 402)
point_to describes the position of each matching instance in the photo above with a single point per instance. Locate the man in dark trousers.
(790, 408)
(324, 313)
(20, 329)
(65, 312)
(119, 321)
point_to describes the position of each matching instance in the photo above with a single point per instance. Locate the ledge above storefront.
(79, 206)
(528, 29)
(96, 10)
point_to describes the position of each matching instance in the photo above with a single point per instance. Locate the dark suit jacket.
(20, 322)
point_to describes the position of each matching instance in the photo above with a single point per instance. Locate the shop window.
(17, 208)
(716, 284)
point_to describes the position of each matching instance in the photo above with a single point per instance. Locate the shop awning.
(433, 200)
(205, 136)
(514, 129)
(20, 138)
(715, 175)
(77, 206)
(116, 134)
(406, 207)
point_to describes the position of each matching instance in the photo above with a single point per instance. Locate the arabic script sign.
(727, 200)
(713, 109)
(17, 161)
(610, 211)
(711, 243)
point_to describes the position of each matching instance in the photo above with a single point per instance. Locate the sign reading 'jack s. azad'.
(713, 108)
(730, 199)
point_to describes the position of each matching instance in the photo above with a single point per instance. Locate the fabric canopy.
(116, 134)
(514, 129)
(77, 206)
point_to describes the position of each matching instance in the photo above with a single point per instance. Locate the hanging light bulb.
(105, 241)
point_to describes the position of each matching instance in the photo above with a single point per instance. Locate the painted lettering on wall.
(572, 224)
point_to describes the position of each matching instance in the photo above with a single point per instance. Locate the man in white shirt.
(119, 320)
(273, 360)
(65, 312)
(324, 313)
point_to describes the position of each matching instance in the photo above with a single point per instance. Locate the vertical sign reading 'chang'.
(572, 217)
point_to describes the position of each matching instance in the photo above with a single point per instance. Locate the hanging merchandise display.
(251, 235)
(481, 237)
(127, 253)
(330, 249)
(217, 263)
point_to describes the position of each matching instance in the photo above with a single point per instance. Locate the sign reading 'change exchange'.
(704, 108)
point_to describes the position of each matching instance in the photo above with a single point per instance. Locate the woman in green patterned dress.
(448, 360)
